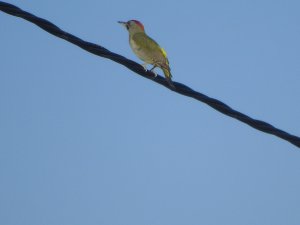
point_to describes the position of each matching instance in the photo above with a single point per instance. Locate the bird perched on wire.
(147, 49)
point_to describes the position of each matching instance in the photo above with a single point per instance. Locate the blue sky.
(86, 141)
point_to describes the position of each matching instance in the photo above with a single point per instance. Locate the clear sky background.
(83, 140)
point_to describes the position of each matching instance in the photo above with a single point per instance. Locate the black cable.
(137, 68)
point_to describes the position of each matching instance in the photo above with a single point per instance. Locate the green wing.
(149, 45)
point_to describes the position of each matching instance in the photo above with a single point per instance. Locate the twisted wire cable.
(137, 68)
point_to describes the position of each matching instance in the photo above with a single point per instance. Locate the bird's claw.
(155, 74)
(145, 66)
(152, 70)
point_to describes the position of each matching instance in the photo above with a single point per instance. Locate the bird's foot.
(152, 70)
(155, 74)
(145, 66)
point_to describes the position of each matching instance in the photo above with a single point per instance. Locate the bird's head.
(133, 26)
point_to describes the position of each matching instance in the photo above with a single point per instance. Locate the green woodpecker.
(147, 49)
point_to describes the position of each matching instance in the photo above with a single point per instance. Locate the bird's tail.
(168, 76)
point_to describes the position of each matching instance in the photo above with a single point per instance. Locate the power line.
(137, 68)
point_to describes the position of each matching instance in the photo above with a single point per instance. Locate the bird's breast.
(135, 46)
(140, 51)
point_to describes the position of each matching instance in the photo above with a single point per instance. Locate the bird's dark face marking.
(125, 24)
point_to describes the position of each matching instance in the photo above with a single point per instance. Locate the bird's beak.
(125, 24)
(122, 23)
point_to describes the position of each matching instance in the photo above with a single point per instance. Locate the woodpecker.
(147, 49)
